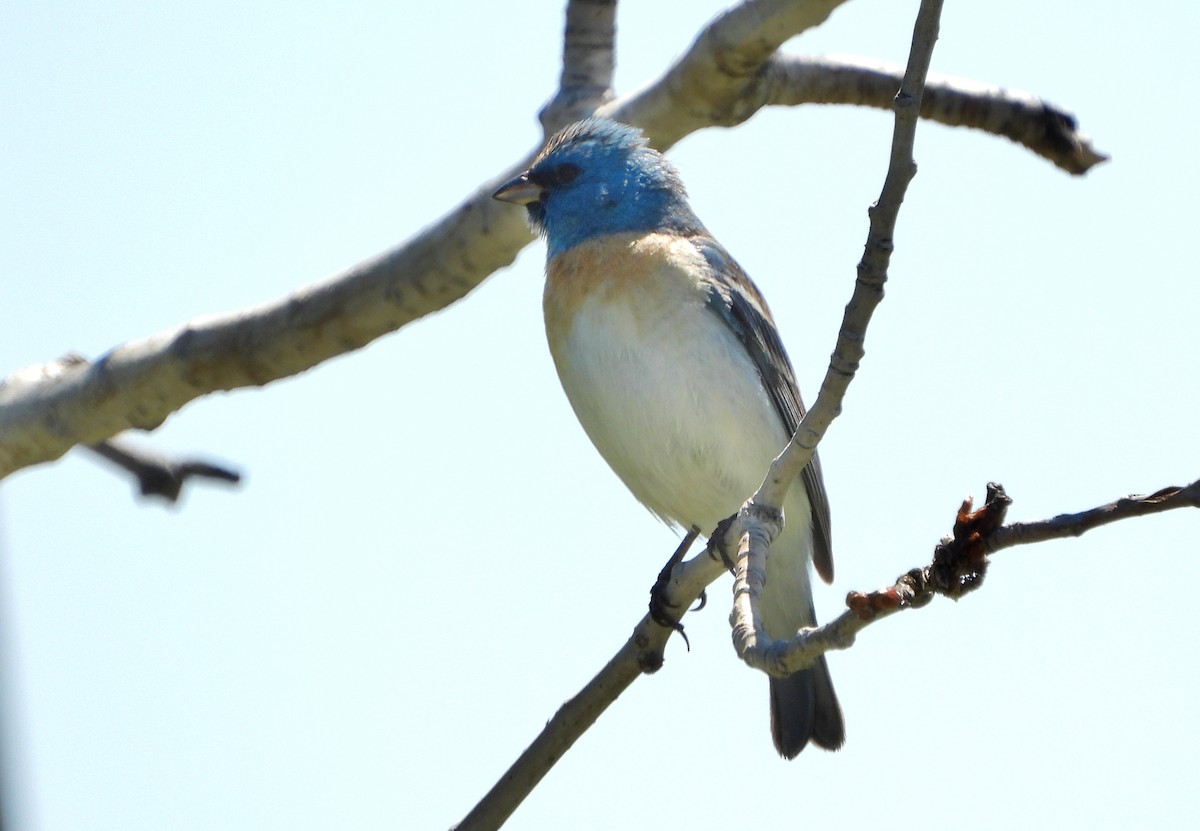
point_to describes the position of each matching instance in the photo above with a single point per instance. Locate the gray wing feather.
(736, 299)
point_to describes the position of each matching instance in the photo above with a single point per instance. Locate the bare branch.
(1048, 131)
(959, 564)
(589, 57)
(1074, 525)
(642, 653)
(47, 409)
(716, 81)
(748, 528)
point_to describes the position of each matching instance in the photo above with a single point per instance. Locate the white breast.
(673, 402)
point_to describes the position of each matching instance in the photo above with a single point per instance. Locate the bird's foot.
(716, 543)
(661, 608)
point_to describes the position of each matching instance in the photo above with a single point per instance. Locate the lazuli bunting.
(671, 360)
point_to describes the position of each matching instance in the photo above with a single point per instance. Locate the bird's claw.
(716, 543)
(660, 606)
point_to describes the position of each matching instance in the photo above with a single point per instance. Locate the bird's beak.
(520, 191)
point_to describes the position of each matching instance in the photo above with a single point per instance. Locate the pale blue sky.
(427, 556)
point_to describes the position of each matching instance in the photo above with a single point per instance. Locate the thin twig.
(641, 654)
(157, 475)
(1074, 525)
(749, 532)
(1049, 131)
(960, 563)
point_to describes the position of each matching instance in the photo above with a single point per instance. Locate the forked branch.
(732, 70)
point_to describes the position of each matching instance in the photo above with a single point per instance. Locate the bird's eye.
(564, 173)
(550, 177)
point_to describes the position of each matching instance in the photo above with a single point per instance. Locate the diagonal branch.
(758, 522)
(45, 410)
(641, 654)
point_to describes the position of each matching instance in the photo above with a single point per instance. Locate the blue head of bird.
(599, 177)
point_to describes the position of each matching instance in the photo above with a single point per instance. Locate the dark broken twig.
(960, 560)
(157, 475)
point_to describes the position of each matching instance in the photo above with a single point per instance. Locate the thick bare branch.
(589, 57)
(45, 410)
(716, 82)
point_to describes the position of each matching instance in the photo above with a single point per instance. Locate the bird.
(674, 367)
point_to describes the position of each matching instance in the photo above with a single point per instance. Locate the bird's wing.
(737, 301)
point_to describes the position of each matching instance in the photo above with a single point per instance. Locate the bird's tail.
(805, 708)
